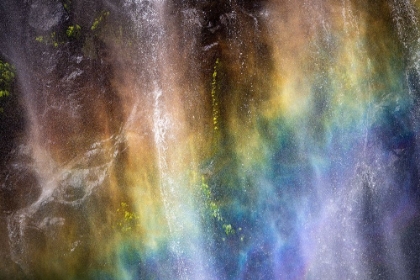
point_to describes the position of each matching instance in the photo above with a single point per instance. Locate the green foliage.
(73, 31)
(7, 77)
(228, 229)
(127, 220)
(99, 20)
(66, 4)
(214, 209)
(211, 205)
(214, 99)
(7, 74)
(52, 39)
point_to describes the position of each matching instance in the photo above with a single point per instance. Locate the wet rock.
(19, 185)
(44, 14)
(8, 268)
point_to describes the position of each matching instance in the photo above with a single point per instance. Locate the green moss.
(7, 77)
(214, 99)
(51, 40)
(4, 93)
(127, 220)
(214, 209)
(99, 20)
(39, 39)
(228, 229)
(66, 5)
(73, 31)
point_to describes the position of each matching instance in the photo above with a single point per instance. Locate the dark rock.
(44, 14)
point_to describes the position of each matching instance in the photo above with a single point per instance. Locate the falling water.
(173, 139)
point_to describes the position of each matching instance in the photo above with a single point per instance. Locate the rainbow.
(212, 140)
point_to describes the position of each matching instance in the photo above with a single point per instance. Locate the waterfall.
(180, 210)
(228, 139)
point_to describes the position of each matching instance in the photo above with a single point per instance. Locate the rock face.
(52, 190)
(45, 15)
(237, 139)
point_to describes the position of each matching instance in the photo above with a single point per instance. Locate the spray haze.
(209, 139)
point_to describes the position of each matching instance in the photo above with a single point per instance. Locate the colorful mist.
(227, 139)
